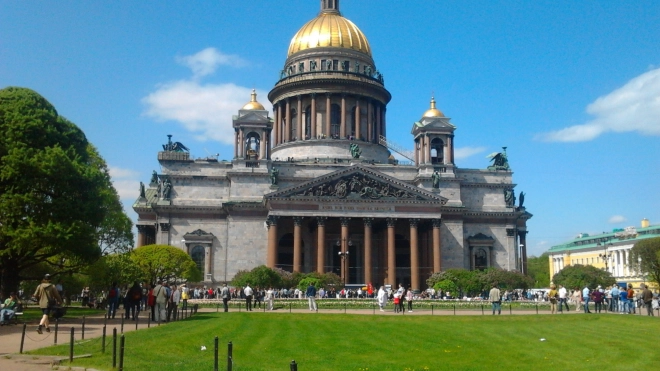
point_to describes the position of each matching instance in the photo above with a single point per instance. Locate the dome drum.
(333, 151)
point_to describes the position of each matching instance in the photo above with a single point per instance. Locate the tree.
(54, 190)
(579, 275)
(120, 268)
(539, 270)
(164, 262)
(645, 258)
(260, 276)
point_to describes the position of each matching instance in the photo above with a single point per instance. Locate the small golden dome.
(332, 30)
(253, 104)
(433, 112)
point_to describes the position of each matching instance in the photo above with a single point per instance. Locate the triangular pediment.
(257, 117)
(433, 125)
(357, 182)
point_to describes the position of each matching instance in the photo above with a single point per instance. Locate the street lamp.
(606, 258)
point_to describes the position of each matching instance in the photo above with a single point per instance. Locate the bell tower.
(252, 128)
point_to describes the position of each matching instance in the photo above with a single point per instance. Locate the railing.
(396, 148)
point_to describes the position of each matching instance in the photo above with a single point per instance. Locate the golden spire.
(253, 104)
(433, 112)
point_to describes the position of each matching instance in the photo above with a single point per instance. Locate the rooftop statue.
(274, 176)
(154, 178)
(435, 178)
(521, 199)
(167, 189)
(142, 192)
(355, 150)
(509, 198)
(500, 160)
(174, 146)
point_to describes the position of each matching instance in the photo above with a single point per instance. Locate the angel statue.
(500, 160)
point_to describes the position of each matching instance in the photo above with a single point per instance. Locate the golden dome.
(433, 112)
(332, 30)
(253, 104)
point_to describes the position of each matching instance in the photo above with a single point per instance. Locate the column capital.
(320, 220)
(313, 95)
(344, 221)
(510, 232)
(391, 222)
(413, 222)
(368, 221)
(141, 228)
(522, 233)
(328, 95)
(437, 223)
(164, 226)
(272, 220)
(297, 220)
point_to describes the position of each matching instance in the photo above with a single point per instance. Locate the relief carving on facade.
(357, 186)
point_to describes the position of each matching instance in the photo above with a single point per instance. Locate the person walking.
(552, 296)
(382, 298)
(495, 298)
(585, 297)
(647, 299)
(311, 297)
(248, 297)
(173, 303)
(409, 298)
(270, 298)
(48, 297)
(563, 299)
(113, 300)
(160, 294)
(224, 293)
(135, 298)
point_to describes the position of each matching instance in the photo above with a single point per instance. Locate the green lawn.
(269, 341)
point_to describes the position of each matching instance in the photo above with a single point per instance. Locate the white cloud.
(616, 219)
(465, 152)
(207, 61)
(205, 109)
(126, 182)
(634, 107)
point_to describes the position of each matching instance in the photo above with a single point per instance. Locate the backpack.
(112, 293)
(137, 295)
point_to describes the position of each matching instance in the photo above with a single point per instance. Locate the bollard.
(431, 309)
(137, 318)
(229, 356)
(344, 308)
(105, 319)
(103, 341)
(537, 308)
(71, 341)
(510, 312)
(289, 307)
(23, 337)
(57, 322)
(82, 331)
(114, 347)
(149, 321)
(121, 353)
(482, 309)
(122, 324)
(215, 351)
(373, 307)
(454, 309)
(294, 366)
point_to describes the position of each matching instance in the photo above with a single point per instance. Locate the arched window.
(252, 143)
(437, 151)
(197, 255)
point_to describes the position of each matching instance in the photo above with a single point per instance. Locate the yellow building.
(608, 251)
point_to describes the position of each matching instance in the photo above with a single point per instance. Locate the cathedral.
(315, 185)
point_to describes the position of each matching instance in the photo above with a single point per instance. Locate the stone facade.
(315, 188)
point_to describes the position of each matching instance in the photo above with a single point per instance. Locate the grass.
(269, 341)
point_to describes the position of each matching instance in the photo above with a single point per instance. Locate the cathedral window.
(335, 120)
(197, 255)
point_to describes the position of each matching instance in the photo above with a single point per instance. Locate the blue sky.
(571, 88)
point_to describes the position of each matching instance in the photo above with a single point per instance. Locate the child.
(397, 301)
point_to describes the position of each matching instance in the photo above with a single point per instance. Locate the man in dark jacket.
(134, 298)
